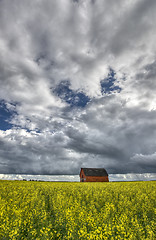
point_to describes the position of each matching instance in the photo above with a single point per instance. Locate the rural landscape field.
(49, 210)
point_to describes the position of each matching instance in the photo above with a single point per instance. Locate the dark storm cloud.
(105, 115)
(81, 143)
(115, 136)
(32, 153)
(131, 30)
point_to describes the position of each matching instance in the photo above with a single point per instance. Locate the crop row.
(48, 210)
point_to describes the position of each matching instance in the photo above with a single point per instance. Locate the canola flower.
(48, 210)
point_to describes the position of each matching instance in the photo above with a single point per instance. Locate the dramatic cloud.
(77, 86)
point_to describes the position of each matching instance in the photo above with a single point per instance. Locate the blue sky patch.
(5, 116)
(107, 84)
(74, 98)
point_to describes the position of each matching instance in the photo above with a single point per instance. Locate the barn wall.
(97, 179)
(82, 174)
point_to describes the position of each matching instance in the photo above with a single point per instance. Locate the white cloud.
(133, 177)
(51, 41)
(76, 178)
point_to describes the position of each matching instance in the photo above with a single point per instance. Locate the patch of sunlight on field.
(47, 210)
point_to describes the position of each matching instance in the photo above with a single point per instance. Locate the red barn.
(93, 175)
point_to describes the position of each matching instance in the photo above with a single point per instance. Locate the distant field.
(48, 210)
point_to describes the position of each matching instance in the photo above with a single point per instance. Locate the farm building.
(93, 175)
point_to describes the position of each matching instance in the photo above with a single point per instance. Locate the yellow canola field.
(48, 210)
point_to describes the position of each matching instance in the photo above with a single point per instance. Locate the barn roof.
(100, 172)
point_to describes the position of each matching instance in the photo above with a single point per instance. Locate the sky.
(77, 86)
(76, 178)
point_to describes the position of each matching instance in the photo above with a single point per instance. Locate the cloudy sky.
(77, 86)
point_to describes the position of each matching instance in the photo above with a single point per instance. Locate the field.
(48, 210)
